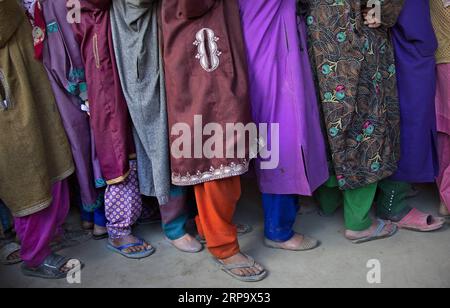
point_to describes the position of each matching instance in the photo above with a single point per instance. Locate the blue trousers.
(97, 217)
(280, 213)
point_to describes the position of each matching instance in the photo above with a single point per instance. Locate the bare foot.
(356, 235)
(130, 239)
(244, 272)
(187, 243)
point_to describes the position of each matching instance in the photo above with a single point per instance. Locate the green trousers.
(391, 202)
(357, 203)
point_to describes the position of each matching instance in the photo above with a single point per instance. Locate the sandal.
(228, 268)
(50, 268)
(71, 239)
(308, 243)
(132, 255)
(421, 222)
(6, 252)
(377, 234)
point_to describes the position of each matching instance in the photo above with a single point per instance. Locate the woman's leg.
(280, 214)
(216, 203)
(123, 206)
(443, 180)
(330, 197)
(174, 218)
(38, 230)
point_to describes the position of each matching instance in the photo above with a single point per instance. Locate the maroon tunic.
(206, 75)
(110, 120)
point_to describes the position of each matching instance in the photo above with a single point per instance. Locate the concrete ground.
(408, 260)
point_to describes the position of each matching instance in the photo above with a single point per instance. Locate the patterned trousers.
(123, 205)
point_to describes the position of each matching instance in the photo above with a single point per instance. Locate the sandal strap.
(55, 261)
(8, 250)
(131, 245)
(380, 228)
(251, 263)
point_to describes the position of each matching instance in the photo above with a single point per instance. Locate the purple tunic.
(282, 91)
(62, 60)
(415, 48)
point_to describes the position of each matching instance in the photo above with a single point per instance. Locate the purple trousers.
(38, 230)
(123, 205)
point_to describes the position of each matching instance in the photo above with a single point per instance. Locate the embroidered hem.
(212, 175)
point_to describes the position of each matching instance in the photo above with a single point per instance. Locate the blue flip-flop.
(132, 255)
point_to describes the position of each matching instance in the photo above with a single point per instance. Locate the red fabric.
(38, 29)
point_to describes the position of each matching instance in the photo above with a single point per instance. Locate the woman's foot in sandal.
(131, 247)
(10, 254)
(53, 267)
(380, 229)
(187, 243)
(243, 268)
(99, 233)
(297, 243)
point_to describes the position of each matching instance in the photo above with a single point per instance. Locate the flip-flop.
(228, 268)
(6, 251)
(308, 243)
(132, 255)
(420, 222)
(50, 268)
(377, 234)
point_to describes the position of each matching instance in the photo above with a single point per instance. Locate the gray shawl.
(138, 57)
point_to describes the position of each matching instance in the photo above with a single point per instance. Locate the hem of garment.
(366, 183)
(359, 227)
(283, 239)
(229, 171)
(231, 250)
(119, 179)
(300, 192)
(431, 178)
(42, 205)
(443, 61)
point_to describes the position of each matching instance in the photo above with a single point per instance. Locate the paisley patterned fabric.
(356, 76)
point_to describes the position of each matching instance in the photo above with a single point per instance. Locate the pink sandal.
(418, 221)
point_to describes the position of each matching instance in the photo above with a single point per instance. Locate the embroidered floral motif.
(208, 50)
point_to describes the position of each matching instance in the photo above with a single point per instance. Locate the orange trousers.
(216, 202)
